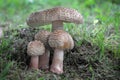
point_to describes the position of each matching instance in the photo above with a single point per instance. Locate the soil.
(81, 63)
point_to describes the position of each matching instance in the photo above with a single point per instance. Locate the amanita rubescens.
(59, 39)
(56, 16)
(42, 36)
(1, 32)
(35, 49)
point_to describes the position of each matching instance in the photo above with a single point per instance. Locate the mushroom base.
(57, 63)
(44, 60)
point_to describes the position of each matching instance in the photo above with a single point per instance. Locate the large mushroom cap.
(58, 13)
(35, 48)
(42, 36)
(61, 40)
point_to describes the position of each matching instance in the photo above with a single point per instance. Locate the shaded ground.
(81, 63)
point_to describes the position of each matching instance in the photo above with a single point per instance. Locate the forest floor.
(81, 63)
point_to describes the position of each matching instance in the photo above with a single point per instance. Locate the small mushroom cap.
(43, 37)
(61, 40)
(35, 48)
(58, 13)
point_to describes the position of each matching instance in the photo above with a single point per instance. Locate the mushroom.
(60, 41)
(1, 32)
(44, 59)
(34, 49)
(56, 16)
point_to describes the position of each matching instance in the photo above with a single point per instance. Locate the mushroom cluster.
(58, 39)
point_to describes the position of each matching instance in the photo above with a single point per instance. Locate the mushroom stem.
(34, 62)
(1, 32)
(57, 25)
(57, 62)
(44, 60)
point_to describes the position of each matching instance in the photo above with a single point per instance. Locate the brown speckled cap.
(58, 13)
(35, 48)
(42, 36)
(61, 40)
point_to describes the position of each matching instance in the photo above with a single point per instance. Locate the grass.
(101, 25)
(5, 70)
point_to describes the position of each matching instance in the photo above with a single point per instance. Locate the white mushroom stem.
(57, 25)
(57, 62)
(44, 60)
(34, 62)
(1, 32)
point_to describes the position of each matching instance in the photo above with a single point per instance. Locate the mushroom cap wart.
(58, 13)
(42, 36)
(35, 48)
(61, 40)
